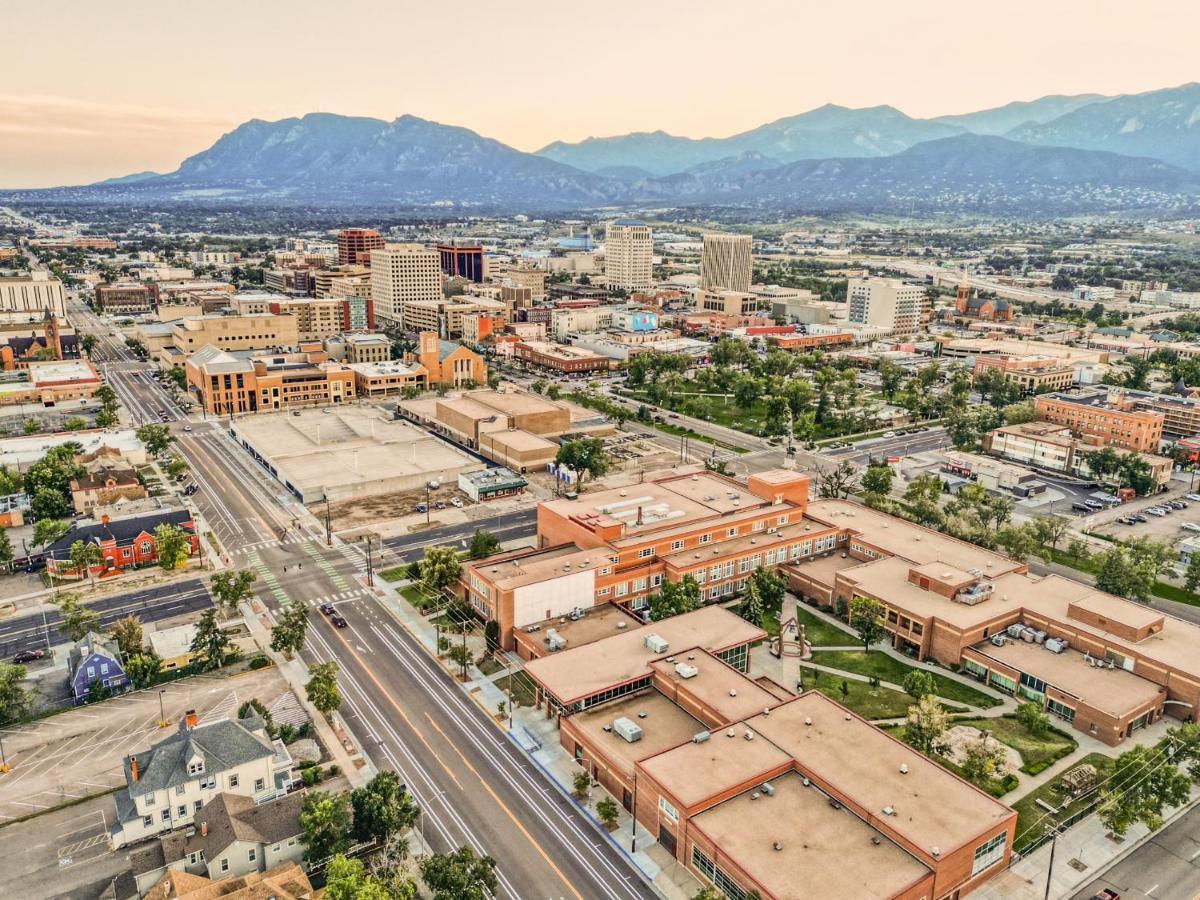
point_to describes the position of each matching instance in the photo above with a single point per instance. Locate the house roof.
(93, 642)
(224, 744)
(232, 817)
(284, 882)
(122, 531)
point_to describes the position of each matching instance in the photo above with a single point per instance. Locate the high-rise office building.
(403, 273)
(355, 245)
(462, 261)
(727, 262)
(886, 302)
(629, 255)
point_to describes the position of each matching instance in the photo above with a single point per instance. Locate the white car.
(454, 501)
(1195, 498)
(889, 434)
(1156, 511)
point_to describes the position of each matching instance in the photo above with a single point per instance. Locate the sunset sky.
(94, 90)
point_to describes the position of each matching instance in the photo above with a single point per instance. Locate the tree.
(176, 466)
(484, 544)
(674, 598)
(48, 503)
(581, 784)
(1019, 413)
(173, 546)
(866, 617)
(322, 688)
(1143, 783)
(231, 587)
(1049, 530)
(539, 386)
(772, 587)
(47, 531)
(608, 812)
(210, 644)
(877, 482)
(926, 723)
(461, 655)
(74, 423)
(918, 684)
(1191, 578)
(178, 377)
(840, 481)
(491, 635)
(325, 822)
(106, 397)
(106, 418)
(439, 569)
(1019, 542)
(127, 632)
(156, 438)
(291, 629)
(752, 608)
(460, 875)
(923, 495)
(6, 549)
(382, 808)
(1035, 721)
(143, 668)
(347, 879)
(15, 700)
(583, 455)
(982, 758)
(77, 619)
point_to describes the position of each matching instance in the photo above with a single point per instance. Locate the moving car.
(24, 656)
(327, 608)
(338, 620)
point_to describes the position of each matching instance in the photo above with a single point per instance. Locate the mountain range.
(1056, 155)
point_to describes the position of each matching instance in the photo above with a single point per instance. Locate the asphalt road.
(508, 526)
(1165, 867)
(150, 605)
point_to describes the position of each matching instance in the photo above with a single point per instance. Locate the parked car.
(1106, 894)
(440, 504)
(327, 608)
(1156, 511)
(1081, 507)
(421, 507)
(1093, 504)
(456, 503)
(24, 656)
(1194, 497)
(1179, 504)
(338, 620)
(889, 434)
(1139, 518)
(1125, 520)
(1191, 526)
(190, 490)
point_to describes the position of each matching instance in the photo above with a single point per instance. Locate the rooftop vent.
(733, 692)
(807, 720)
(754, 796)
(889, 811)
(778, 846)
(749, 735)
(936, 851)
(768, 789)
(903, 768)
(622, 625)
(729, 733)
(700, 737)
(627, 730)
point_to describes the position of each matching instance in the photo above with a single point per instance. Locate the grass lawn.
(888, 668)
(1160, 588)
(868, 702)
(1033, 821)
(522, 687)
(1037, 753)
(820, 633)
(399, 573)
(417, 597)
(997, 787)
(490, 666)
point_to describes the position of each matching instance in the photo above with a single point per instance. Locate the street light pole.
(162, 714)
(328, 529)
(633, 843)
(5, 768)
(370, 569)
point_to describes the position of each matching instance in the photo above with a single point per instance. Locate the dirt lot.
(80, 752)
(365, 511)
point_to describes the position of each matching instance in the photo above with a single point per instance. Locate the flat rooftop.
(717, 685)
(379, 369)
(349, 446)
(598, 622)
(518, 570)
(1113, 691)
(574, 674)
(62, 371)
(514, 403)
(664, 725)
(930, 806)
(824, 852)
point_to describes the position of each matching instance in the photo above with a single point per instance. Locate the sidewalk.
(1084, 852)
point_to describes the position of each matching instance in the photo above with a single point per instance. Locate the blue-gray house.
(95, 658)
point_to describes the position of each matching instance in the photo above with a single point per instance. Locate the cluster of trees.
(585, 456)
(1121, 469)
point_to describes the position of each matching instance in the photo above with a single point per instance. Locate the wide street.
(1165, 867)
(28, 631)
(474, 786)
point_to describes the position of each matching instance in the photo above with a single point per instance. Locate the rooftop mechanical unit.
(656, 643)
(628, 729)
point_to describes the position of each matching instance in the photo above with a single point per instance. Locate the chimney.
(639, 518)
(190, 719)
(203, 829)
(104, 519)
(133, 768)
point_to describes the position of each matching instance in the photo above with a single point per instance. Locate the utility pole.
(1050, 868)
(370, 570)
(5, 768)
(328, 529)
(633, 843)
(162, 714)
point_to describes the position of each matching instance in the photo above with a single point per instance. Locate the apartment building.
(228, 384)
(886, 303)
(28, 296)
(402, 274)
(532, 279)
(169, 784)
(382, 380)
(447, 315)
(1033, 374)
(569, 360)
(726, 262)
(629, 256)
(619, 545)
(316, 319)
(1054, 447)
(462, 261)
(354, 245)
(126, 297)
(1181, 414)
(1113, 419)
(741, 780)
(241, 332)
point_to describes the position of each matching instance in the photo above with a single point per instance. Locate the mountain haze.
(1002, 119)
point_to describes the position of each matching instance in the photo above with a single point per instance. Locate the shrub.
(311, 776)
(335, 770)
(306, 763)
(259, 662)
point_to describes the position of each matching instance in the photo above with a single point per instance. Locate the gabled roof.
(121, 530)
(224, 744)
(92, 643)
(232, 817)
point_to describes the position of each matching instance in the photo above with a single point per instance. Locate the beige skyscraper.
(629, 255)
(403, 273)
(727, 262)
(887, 302)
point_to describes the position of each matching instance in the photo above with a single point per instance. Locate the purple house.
(95, 659)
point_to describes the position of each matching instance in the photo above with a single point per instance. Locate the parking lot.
(1167, 528)
(64, 853)
(75, 754)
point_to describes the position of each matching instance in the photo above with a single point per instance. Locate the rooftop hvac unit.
(999, 640)
(656, 643)
(1027, 635)
(1014, 630)
(1039, 637)
(768, 789)
(683, 670)
(1054, 645)
(700, 737)
(628, 729)
(555, 640)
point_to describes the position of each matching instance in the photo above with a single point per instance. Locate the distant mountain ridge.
(1143, 153)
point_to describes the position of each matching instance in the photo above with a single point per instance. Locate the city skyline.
(71, 115)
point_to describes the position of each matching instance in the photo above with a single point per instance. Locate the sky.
(97, 90)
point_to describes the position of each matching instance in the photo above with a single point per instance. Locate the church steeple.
(53, 333)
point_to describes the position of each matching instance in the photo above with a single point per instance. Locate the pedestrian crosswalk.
(326, 566)
(339, 597)
(247, 549)
(268, 577)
